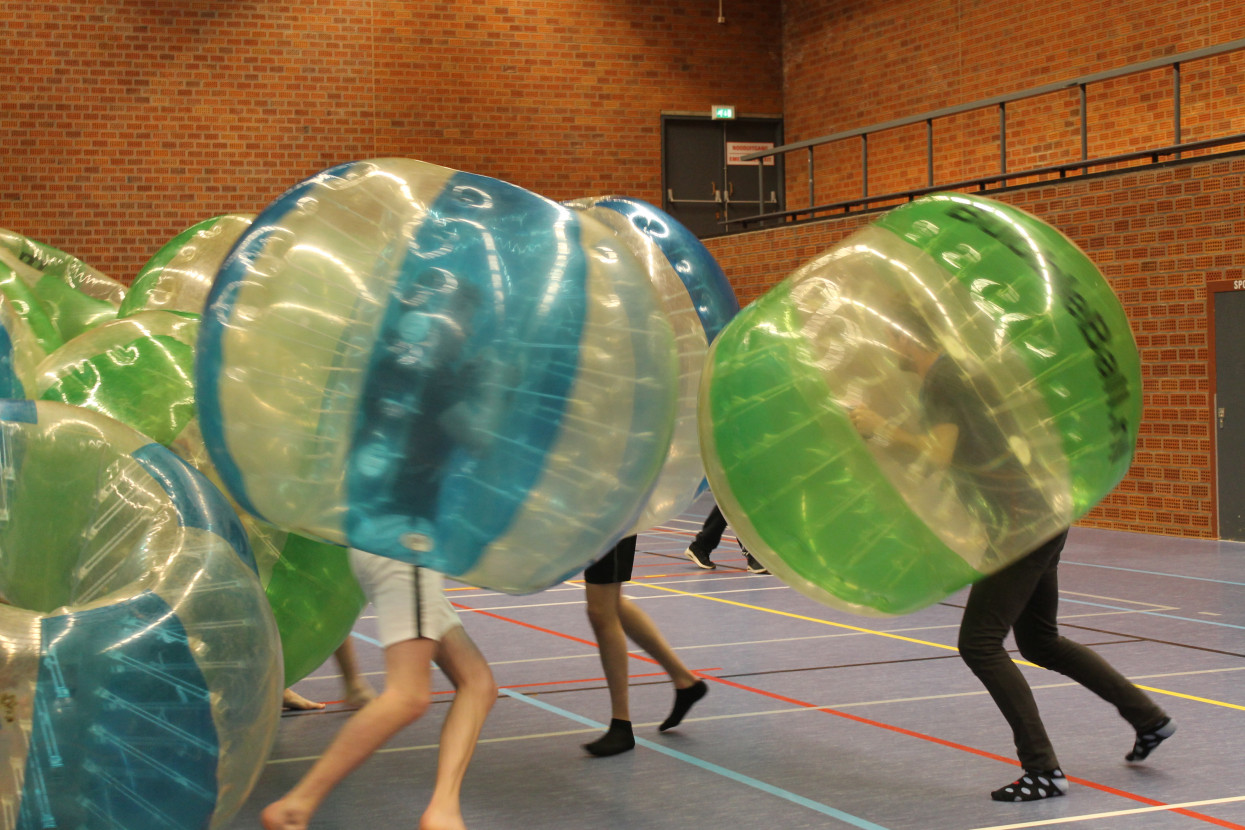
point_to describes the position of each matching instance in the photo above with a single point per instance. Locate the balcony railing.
(1003, 177)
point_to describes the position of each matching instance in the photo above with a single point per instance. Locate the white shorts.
(409, 601)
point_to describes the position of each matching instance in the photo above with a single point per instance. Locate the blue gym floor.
(814, 717)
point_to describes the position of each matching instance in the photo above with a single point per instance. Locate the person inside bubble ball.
(355, 688)
(708, 539)
(418, 626)
(1023, 597)
(614, 618)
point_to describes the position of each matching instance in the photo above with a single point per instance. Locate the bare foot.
(358, 694)
(434, 819)
(281, 815)
(293, 700)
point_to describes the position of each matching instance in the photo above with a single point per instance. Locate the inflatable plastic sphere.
(711, 292)
(683, 473)
(923, 404)
(21, 349)
(314, 595)
(42, 260)
(438, 367)
(140, 677)
(139, 370)
(179, 276)
(23, 304)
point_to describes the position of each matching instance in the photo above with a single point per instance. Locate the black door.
(706, 183)
(1230, 411)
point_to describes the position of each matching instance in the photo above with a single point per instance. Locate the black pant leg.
(994, 605)
(710, 535)
(1039, 641)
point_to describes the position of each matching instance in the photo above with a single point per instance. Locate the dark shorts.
(614, 566)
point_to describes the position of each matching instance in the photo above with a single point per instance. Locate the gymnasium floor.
(814, 717)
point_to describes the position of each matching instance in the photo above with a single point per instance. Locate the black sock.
(683, 701)
(617, 739)
(1151, 738)
(1033, 786)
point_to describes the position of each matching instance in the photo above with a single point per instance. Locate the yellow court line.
(797, 616)
(1222, 703)
(1206, 700)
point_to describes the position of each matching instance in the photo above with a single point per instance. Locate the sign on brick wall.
(736, 150)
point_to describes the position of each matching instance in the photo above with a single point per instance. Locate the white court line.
(563, 587)
(842, 704)
(702, 577)
(1089, 614)
(767, 642)
(637, 651)
(717, 593)
(421, 747)
(1149, 606)
(629, 596)
(792, 711)
(1137, 811)
(1188, 673)
(467, 608)
(667, 529)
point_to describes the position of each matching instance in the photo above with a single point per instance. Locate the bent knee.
(487, 691)
(411, 705)
(1044, 653)
(478, 684)
(979, 651)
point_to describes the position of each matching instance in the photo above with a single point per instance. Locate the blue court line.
(1063, 599)
(824, 809)
(365, 638)
(1153, 573)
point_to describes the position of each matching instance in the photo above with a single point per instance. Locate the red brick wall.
(1158, 236)
(126, 122)
(854, 63)
(129, 121)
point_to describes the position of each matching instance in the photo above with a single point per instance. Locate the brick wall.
(855, 63)
(129, 121)
(126, 122)
(1159, 236)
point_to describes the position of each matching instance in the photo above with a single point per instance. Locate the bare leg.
(408, 670)
(644, 633)
(603, 600)
(604, 603)
(358, 691)
(475, 694)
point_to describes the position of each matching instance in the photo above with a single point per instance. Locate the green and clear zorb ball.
(178, 277)
(827, 405)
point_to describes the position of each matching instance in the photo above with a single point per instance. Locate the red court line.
(670, 531)
(879, 724)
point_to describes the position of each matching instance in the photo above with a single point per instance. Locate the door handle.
(713, 187)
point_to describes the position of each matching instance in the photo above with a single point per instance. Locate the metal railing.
(1003, 176)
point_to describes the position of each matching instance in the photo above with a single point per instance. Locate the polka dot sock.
(1151, 738)
(617, 739)
(1033, 786)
